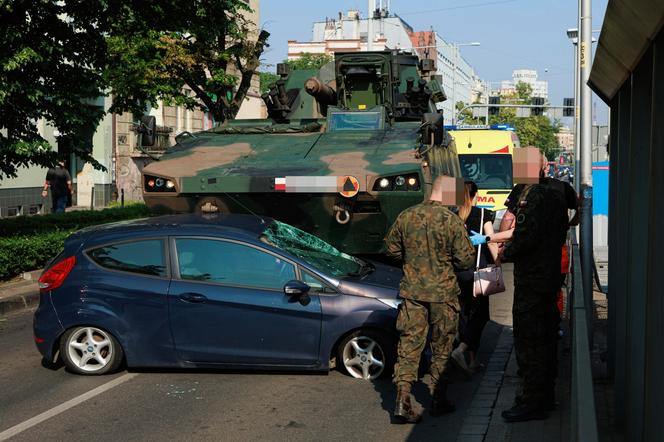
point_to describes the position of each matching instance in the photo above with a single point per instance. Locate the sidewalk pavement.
(20, 293)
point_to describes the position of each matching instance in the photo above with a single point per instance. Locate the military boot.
(440, 404)
(404, 412)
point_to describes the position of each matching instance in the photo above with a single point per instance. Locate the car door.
(227, 305)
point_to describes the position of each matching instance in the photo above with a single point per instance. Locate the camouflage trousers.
(413, 323)
(535, 345)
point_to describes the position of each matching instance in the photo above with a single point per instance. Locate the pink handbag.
(489, 280)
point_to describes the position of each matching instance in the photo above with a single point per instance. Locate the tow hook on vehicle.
(341, 214)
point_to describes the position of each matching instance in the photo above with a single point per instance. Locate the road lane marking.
(16, 429)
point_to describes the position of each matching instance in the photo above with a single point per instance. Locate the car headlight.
(384, 183)
(393, 303)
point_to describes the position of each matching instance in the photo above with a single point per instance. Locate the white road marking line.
(16, 429)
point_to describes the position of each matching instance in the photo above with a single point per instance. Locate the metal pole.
(577, 118)
(454, 68)
(370, 25)
(585, 61)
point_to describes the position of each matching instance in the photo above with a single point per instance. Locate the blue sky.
(514, 34)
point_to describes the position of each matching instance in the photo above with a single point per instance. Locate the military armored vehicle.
(343, 151)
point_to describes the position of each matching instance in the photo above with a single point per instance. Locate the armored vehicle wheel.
(211, 204)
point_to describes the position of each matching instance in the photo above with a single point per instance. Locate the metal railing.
(583, 414)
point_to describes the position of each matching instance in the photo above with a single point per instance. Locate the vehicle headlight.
(158, 184)
(399, 183)
(393, 303)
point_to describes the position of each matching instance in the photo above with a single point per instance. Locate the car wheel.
(211, 205)
(365, 354)
(90, 351)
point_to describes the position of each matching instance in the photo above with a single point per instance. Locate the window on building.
(14, 211)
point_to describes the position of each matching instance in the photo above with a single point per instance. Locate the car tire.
(360, 353)
(90, 351)
(211, 205)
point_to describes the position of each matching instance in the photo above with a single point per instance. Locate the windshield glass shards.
(312, 249)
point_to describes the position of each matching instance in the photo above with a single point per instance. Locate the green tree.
(267, 78)
(49, 71)
(198, 54)
(308, 60)
(536, 131)
(58, 58)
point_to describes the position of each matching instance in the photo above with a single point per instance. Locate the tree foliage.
(49, 69)
(307, 60)
(196, 54)
(58, 58)
(536, 131)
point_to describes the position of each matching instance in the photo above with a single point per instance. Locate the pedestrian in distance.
(432, 244)
(535, 249)
(59, 181)
(474, 309)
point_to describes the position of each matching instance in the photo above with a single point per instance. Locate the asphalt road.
(204, 405)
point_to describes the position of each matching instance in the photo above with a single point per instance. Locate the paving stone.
(474, 429)
(479, 411)
(482, 403)
(471, 438)
(477, 420)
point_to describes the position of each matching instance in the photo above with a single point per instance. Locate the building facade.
(540, 88)
(349, 32)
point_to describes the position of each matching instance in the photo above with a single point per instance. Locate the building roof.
(628, 30)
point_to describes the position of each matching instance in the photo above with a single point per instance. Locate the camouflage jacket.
(536, 246)
(432, 244)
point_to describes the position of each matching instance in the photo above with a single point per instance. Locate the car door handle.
(193, 297)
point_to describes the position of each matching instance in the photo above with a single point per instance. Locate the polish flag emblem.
(280, 183)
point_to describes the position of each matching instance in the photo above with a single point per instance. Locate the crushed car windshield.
(312, 249)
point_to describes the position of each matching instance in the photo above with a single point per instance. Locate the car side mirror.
(297, 290)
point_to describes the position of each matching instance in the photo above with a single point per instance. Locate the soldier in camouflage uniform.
(432, 243)
(541, 225)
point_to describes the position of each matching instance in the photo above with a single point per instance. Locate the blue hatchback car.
(226, 291)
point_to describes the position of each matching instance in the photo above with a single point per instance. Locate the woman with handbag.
(474, 309)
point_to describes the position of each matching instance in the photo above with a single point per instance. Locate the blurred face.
(448, 190)
(527, 165)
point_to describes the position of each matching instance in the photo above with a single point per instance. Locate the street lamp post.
(455, 58)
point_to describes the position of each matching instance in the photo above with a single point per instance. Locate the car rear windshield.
(311, 249)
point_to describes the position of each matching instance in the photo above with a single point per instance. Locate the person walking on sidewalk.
(432, 244)
(535, 250)
(59, 181)
(474, 309)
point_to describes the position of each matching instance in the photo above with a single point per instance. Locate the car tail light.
(55, 276)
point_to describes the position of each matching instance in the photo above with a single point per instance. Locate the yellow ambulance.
(485, 156)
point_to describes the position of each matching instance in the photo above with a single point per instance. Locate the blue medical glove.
(476, 239)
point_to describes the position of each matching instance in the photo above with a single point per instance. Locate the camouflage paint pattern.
(232, 168)
(432, 244)
(413, 323)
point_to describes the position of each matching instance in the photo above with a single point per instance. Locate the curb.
(20, 296)
(20, 301)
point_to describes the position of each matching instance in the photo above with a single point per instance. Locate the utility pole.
(586, 181)
(370, 24)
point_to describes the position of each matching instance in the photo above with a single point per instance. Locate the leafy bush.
(30, 225)
(21, 254)
(28, 243)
